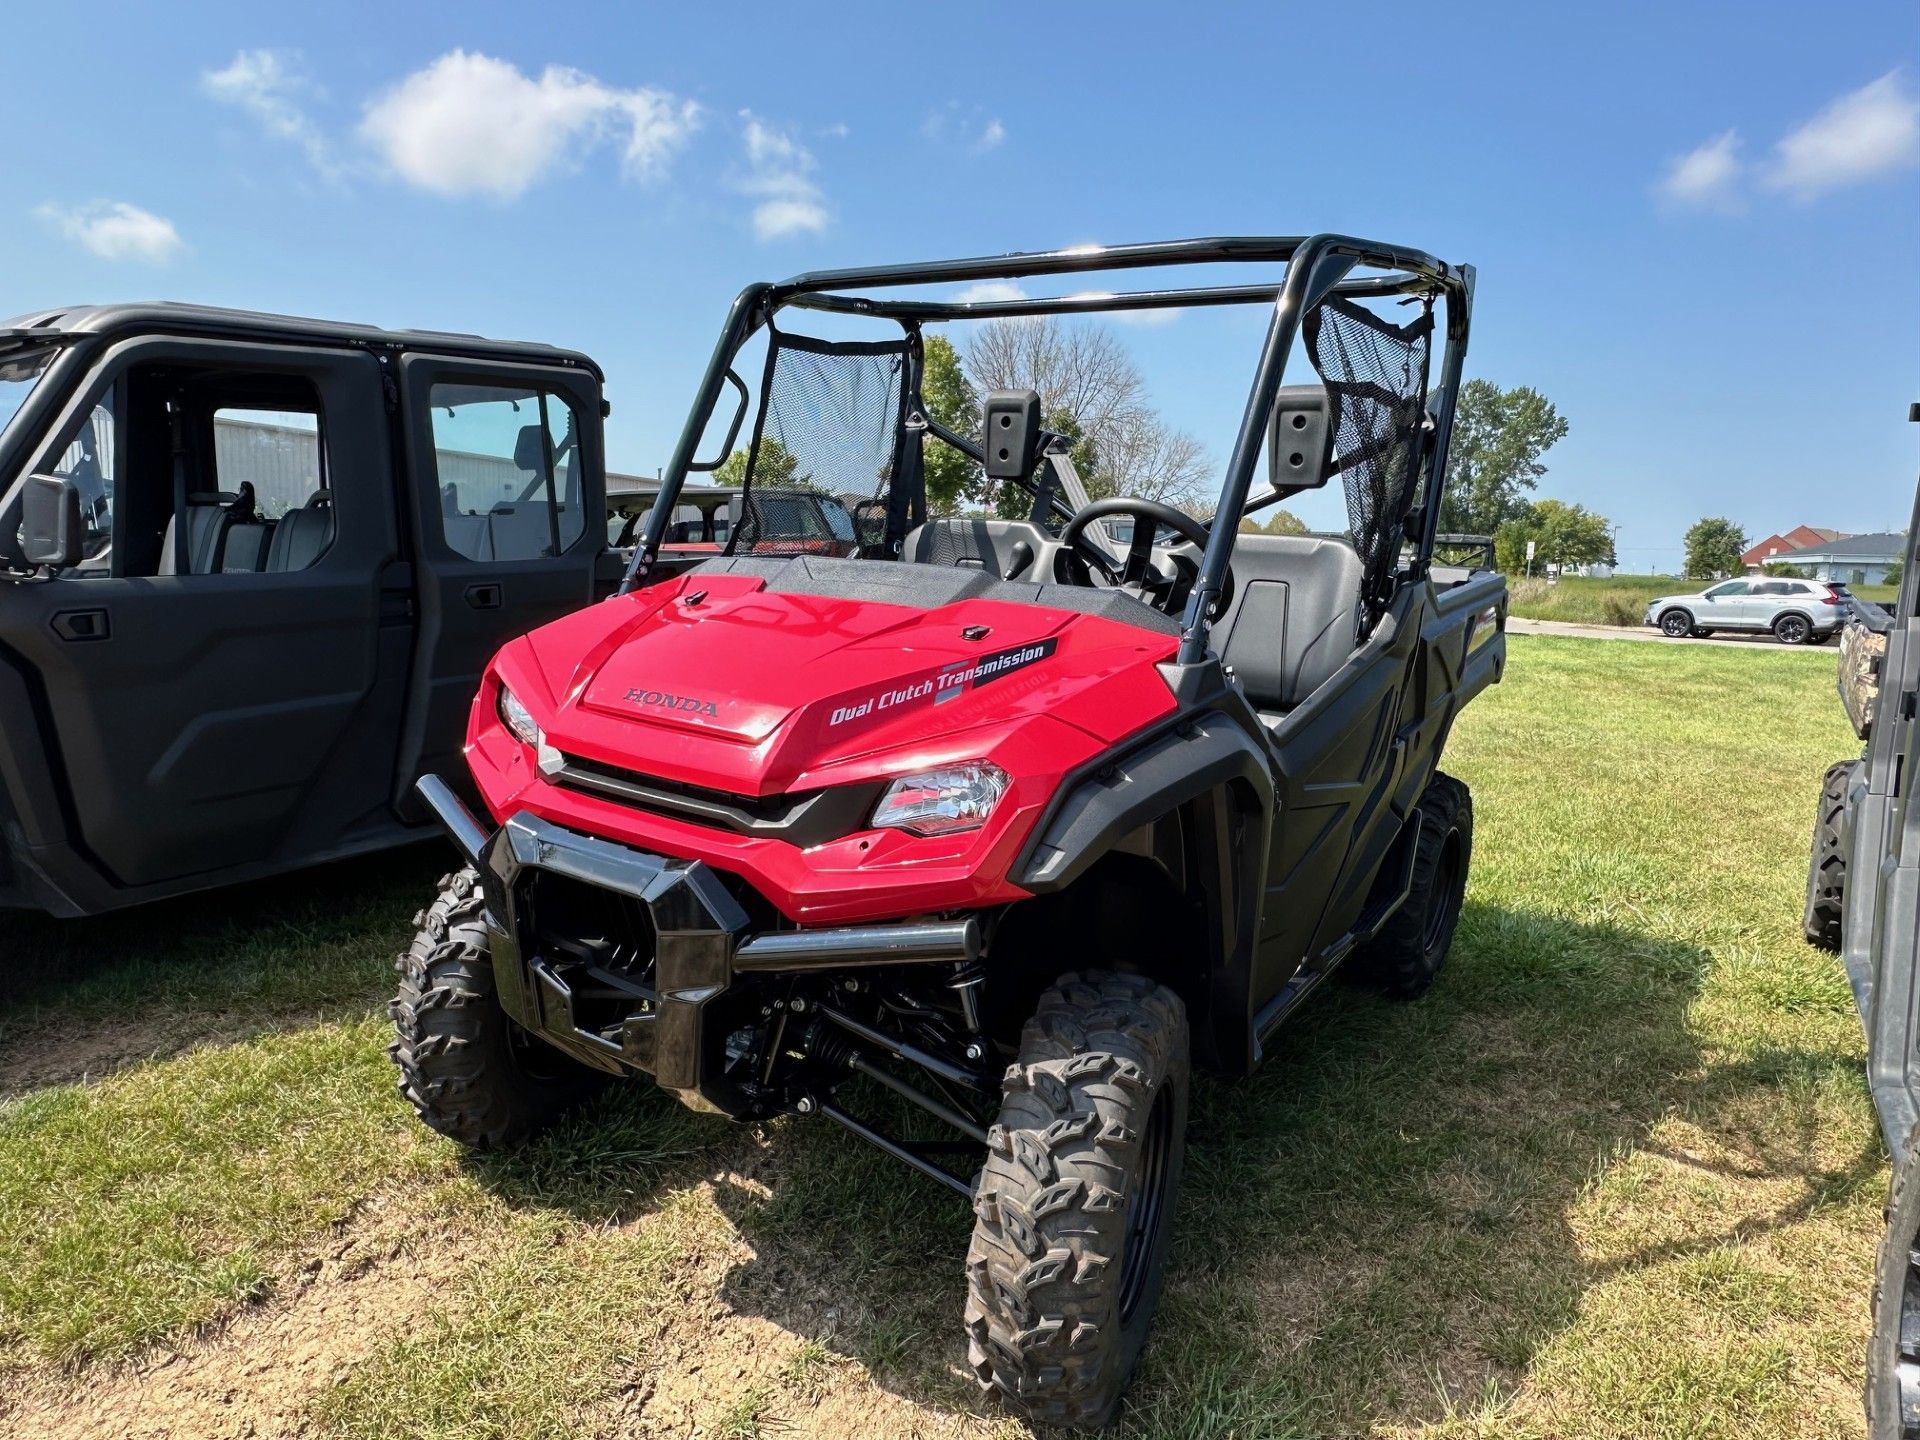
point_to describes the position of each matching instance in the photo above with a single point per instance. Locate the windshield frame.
(1317, 267)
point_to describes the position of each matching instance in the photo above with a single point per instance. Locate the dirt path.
(254, 1378)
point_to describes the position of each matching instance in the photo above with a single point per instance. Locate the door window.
(1728, 591)
(277, 452)
(177, 477)
(89, 461)
(507, 461)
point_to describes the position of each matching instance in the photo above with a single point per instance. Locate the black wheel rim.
(1676, 626)
(1446, 884)
(1793, 630)
(1149, 1203)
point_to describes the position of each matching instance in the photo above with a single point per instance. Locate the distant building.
(1852, 559)
(1773, 549)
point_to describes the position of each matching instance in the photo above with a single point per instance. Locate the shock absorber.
(967, 979)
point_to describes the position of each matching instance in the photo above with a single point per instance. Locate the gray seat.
(302, 536)
(208, 517)
(1294, 619)
(1002, 548)
(246, 547)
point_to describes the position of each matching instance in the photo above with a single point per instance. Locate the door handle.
(485, 596)
(82, 625)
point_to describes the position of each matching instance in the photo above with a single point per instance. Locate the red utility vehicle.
(997, 815)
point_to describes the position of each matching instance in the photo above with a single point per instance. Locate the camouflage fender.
(1862, 652)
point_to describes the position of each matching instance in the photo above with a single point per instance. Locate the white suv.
(1796, 611)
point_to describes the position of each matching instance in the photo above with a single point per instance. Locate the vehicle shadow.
(86, 997)
(1374, 1229)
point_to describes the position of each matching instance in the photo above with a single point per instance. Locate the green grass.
(1619, 599)
(1617, 1176)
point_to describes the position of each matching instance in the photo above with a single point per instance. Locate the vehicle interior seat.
(208, 516)
(302, 536)
(1003, 548)
(1294, 617)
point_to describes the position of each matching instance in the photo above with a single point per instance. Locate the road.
(1518, 626)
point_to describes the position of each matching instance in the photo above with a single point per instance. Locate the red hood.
(714, 681)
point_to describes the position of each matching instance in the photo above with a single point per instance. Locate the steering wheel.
(1139, 574)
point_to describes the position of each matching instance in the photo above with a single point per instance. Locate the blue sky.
(1696, 226)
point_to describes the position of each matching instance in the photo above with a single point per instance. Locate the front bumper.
(702, 947)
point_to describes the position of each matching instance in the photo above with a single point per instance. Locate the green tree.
(1571, 534)
(1494, 457)
(1783, 570)
(953, 479)
(1562, 534)
(1277, 522)
(1714, 544)
(1895, 572)
(778, 466)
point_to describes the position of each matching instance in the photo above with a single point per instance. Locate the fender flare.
(1103, 804)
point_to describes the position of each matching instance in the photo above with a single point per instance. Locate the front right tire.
(469, 1072)
(1074, 1205)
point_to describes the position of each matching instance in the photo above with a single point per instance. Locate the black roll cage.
(1318, 266)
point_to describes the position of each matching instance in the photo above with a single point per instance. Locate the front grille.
(804, 818)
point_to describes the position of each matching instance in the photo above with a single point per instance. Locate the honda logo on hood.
(666, 700)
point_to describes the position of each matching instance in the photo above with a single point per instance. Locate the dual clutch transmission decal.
(859, 708)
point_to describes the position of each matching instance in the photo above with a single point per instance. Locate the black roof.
(174, 317)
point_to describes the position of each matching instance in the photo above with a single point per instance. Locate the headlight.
(517, 718)
(942, 802)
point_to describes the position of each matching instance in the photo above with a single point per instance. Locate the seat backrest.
(301, 537)
(207, 521)
(990, 545)
(246, 547)
(1295, 616)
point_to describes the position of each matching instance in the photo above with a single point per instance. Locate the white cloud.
(779, 176)
(267, 85)
(1869, 132)
(968, 127)
(985, 290)
(1706, 177)
(115, 230)
(469, 124)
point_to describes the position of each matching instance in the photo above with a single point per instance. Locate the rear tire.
(1827, 866)
(1792, 629)
(1700, 632)
(1893, 1365)
(1676, 624)
(467, 1070)
(1403, 959)
(1074, 1204)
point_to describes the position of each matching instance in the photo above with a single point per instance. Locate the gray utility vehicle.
(993, 817)
(1863, 899)
(251, 569)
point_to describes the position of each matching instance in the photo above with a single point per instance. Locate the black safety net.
(1375, 372)
(821, 470)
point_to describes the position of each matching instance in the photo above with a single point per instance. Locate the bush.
(1529, 592)
(1621, 607)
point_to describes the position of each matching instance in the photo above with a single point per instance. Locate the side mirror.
(50, 528)
(1013, 433)
(1300, 439)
